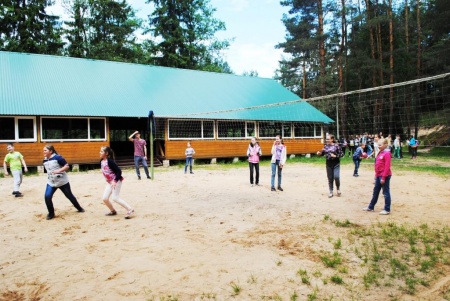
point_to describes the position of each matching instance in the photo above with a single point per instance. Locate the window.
(231, 129)
(191, 129)
(306, 130)
(208, 129)
(73, 128)
(18, 129)
(271, 129)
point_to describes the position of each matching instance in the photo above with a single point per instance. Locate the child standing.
(253, 154)
(383, 175)
(113, 176)
(357, 155)
(333, 153)
(189, 154)
(16, 161)
(278, 160)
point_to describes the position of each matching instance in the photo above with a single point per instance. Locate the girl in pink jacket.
(253, 154)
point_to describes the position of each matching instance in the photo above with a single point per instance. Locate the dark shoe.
(81, 210)
(356, 175)
(111, 213)
(148, 177)
(192, 173)
(139, 177)
(15, 192)
(279, 188)
(273, 189)
(18, 195)
(50, 216)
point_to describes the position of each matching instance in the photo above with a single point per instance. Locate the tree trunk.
(321, 48)
(391, 69)
(418, 71)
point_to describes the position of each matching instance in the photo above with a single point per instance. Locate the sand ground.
(200, 236)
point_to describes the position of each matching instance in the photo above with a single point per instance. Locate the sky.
(255, 26)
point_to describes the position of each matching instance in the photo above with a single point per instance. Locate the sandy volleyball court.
(207, 236)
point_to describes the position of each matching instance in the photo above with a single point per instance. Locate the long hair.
(51, 148)
(109, 152)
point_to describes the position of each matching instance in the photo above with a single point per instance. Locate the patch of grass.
(236, 288)
(338, 244)
(332, 260)
(313, 295)
(304, 276)
(337, 279)
(294, 296)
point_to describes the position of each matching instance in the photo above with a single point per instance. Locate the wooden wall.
(205, 149)
(73, 152)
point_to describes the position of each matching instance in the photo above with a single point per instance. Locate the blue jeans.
(188, 163)
(137, 160)
(275, 168)
(49, 191)
(386, 193)
(357, 162)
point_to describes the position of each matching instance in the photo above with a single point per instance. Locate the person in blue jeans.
(279, 152)
(140, 153)
(383, 175)
(56, 167)
(189, 152)
(357, 155)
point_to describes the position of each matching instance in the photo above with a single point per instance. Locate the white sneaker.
(252, 185)
(367, 209)
(384, 212)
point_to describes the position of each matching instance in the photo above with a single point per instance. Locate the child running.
(16, 161)
(113, 176)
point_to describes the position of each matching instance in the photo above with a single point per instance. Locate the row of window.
(53, 129)
(94, 129)
(204, 129)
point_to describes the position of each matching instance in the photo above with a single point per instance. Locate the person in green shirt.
(16, 161)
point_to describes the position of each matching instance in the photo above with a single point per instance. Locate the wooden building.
(79, 105)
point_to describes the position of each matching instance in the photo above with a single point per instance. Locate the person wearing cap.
(140, 153)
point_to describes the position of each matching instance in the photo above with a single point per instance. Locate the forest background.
(331, 47)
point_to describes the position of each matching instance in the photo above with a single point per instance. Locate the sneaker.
(18, 195)
(191, 173)
(257, 184)
(367, 209)
(384, 212)
(330, 195)
(148, 177)
(338, 193)
(129, 214)
(251, 185)
(81, 210)
(111, 213)
(273, 189)
(139, 177)
(50, 216)
(356, 175)
(279, 188)
(15, 192)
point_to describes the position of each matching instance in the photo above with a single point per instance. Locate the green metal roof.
(32, 84)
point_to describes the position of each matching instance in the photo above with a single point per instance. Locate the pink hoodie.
(383, 164)
(253, 153)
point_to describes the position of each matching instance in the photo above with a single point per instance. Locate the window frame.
(317, 128)
(245, 130)
(202, 129)
(77, 139)
(16, 129)
(283, 136)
